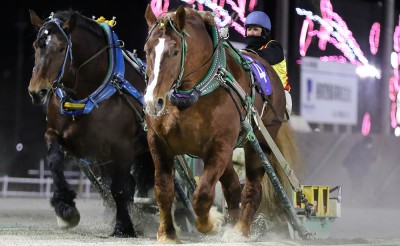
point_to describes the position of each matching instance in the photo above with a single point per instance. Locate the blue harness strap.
(112, 82)
(260, 75)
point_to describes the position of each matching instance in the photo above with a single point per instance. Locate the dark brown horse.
(198, 94)
(93, 112)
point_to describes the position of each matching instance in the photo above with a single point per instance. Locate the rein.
(89, 60)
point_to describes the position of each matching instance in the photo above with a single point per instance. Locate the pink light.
(239, 28)
(394, 81)
(326, 12)
(393, 121)
(252, 4)
(238, 10)
(158, 7)
(335, 31)
(396, 38)
(242, 4)
(392, 90)
(221, 3)
(374, 35)
(340, 45)
(366, 124)
(338, 59)
(305, 39)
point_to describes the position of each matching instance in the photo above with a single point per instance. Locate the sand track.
(31, 221)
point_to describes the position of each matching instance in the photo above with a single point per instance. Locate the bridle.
(186, 98)
(57, 84)
(113, 82)
(178, 80)
(68, 52)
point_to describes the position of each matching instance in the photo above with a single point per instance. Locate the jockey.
(258, 39)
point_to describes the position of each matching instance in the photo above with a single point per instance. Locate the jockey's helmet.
(258, 18)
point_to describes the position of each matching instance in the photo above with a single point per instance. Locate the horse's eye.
(174, 52)
(61, 49)
(42, 42)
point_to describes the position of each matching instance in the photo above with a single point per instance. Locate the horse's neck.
(88, 74)
(199, 53)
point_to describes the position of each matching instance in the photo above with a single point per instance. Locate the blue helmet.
(258, 18)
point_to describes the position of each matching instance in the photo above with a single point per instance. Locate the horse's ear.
(71, 22)
(150, 17)
(207, 17)
(180, 17)
(35, 19)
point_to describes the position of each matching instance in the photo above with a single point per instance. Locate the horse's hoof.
(124, 234)
(215, 221)
(164, 239)
(123, 230)
(70, 219)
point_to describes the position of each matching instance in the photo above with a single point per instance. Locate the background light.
(368, 71)
(19, 147)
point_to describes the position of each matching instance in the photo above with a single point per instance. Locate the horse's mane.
(65, 15)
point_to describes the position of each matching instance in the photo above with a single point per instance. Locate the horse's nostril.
(42, 93)
(159, 105)
(160, 102)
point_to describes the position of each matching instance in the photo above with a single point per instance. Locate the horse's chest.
(181, 132)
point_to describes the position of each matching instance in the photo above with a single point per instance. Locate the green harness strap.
(208, 83)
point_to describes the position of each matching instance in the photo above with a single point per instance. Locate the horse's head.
(51, 46)
(177, 42)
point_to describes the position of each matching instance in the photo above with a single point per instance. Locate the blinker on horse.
(93, 114)
(199, 91)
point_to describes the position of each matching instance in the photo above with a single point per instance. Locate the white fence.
(44, 183)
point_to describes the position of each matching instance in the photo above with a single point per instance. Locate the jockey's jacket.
(280, 68)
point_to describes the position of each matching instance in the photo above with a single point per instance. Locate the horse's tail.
(271, 206)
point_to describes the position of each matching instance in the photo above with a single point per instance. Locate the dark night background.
(20, 120)
(23, 122)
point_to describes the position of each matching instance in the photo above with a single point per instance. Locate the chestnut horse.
(198, 93)
(93, 112)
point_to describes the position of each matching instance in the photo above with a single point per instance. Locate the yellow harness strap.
(73, 106)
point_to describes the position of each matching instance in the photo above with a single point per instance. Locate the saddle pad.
(260, 75)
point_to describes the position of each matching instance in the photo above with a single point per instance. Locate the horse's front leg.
(164, 190)
(214, 167)
(122, 190)
(63, 197)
